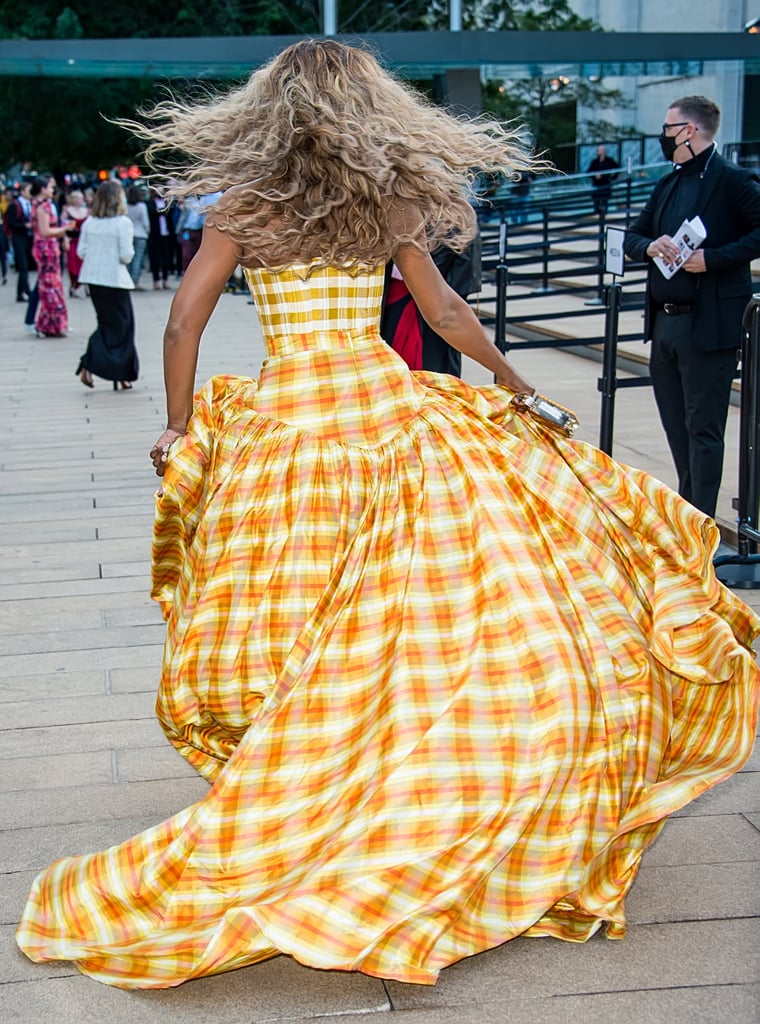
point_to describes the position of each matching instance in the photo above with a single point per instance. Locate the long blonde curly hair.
(318, 148)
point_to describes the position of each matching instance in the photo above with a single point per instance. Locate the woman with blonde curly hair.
(444, 667)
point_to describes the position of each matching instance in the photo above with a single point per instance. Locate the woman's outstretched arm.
(197, 295)
(451, 317)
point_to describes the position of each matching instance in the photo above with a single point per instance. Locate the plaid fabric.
(447, 672)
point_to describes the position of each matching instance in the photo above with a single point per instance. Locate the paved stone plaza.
(84, 765)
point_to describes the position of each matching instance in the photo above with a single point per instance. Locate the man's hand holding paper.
(695, 263)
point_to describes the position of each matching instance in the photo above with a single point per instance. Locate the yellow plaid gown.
(446, 671)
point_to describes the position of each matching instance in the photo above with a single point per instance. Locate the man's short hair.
(703, 112)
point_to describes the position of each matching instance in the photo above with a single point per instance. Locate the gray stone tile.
(135, 568)
(737, 1004)
(71, 588)
(695, 892)
(16, 620)
(140, 500)
(72, 611)
(137, 525)
(276, 990)
(132, 680)
(148, 613)
(17, 571)
(739, 793)
(84, 737)
(754, 819)
(23, 849)
(81, 661)
(684, 955)
(61, 532)
(52, 685)
(51, 807)
(64, 710)
(14, 889)
(71, 503)
(704, 840)
(84, 639)
(156, 762)
(39, 548)
(68, 770)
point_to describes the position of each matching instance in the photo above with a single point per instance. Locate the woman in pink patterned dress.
(52, 318)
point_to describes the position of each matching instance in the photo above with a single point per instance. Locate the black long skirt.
(111, 352)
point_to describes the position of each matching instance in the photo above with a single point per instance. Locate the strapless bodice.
(301, 300)
(327, 370)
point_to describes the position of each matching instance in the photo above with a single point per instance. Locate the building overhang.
(410, 54)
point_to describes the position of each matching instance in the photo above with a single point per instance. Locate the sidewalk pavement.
(85, 765)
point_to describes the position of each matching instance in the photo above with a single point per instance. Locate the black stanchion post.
(601, 252)
(500, 333)
(749, 482)
(608, 381)
(545, 249)
(742, 570)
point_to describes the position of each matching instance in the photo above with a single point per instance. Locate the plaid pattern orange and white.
(447, 672)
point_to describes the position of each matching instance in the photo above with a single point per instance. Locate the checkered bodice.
(292, 303)
(327, 369)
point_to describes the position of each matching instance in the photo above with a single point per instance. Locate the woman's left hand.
(160, 450)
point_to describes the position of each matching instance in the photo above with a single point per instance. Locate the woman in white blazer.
(106, 248)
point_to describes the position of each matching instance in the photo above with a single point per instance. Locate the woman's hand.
(160, 450)
(515, 382)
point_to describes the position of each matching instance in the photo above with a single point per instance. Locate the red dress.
(52, 315)
(73, 260)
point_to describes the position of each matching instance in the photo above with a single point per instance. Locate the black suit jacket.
(729, 205)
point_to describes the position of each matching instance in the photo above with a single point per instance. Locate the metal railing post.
(742, 570)
(545, 248)
(607, 383)
(502, 273)
(601, 253)
(749, 436)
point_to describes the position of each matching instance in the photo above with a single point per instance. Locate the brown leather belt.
(671, 307)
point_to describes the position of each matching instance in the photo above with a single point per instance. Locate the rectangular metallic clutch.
(550, 413)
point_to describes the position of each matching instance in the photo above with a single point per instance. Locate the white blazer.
(106, 246)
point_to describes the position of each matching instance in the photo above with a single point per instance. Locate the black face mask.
(669, 145)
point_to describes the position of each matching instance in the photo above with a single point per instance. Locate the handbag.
(551, 414)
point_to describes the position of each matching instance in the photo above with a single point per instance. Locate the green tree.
(59, 127)
(546, 104)
(69, 128)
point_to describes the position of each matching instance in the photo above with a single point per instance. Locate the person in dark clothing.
(694, 319)
(403, 327)
(520, 197)
(19, 224)
(602, 169)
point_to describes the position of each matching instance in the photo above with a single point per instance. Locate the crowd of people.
(84, 232)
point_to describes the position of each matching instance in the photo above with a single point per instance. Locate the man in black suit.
(18, 218)
(694, 319)
(602, 169)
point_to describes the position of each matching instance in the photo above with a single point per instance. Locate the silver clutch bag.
(563, 420)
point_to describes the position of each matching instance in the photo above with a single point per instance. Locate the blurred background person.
(18, 222)
(74, 211)
(137, 212)
(520, 197)
(161, 240)
(601, 168)
(51, 317)
(403, 326)
(190, 225)
(106, 248)
(6, 198)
